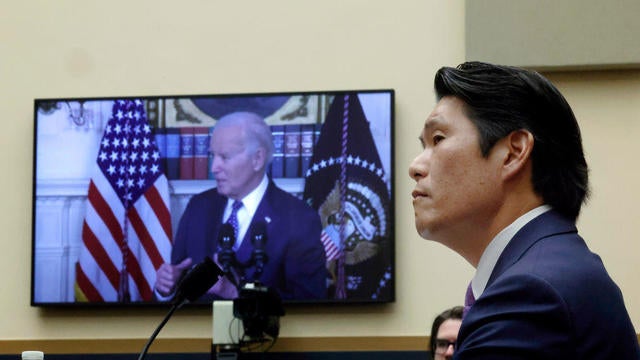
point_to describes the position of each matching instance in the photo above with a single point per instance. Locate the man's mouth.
(415, 194)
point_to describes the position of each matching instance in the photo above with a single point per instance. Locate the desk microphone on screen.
(226, 241)
(194, 284)
(259, 239)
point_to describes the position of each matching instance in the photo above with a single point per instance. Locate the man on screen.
(275, 236)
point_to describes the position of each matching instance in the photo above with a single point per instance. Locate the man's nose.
(215, 164)
(418, 167)
(450, 350)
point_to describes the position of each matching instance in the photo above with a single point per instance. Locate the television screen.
(130, 192)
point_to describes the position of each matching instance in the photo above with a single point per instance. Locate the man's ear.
(259, 158)
(518, 148)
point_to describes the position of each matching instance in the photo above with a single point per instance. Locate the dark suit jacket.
(296, 259)
(548, 297)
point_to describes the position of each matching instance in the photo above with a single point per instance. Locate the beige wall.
(109, 48)
(607, 105)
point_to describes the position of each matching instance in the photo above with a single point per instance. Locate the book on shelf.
(306, 147)
(292, 151)
(209, 156)
(277, 163)
(200, 152)
(186, 153)
(317, 128)
(172, 170)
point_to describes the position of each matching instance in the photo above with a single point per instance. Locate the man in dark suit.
(501, 180)
(288, 255)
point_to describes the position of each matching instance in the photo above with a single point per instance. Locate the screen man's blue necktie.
(233, 218)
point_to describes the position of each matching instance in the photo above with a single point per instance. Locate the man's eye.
(437, 138)
(222, 157)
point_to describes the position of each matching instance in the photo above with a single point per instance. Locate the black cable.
(174, 307)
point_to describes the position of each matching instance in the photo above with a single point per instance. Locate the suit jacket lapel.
(214, 217)
(545, 225)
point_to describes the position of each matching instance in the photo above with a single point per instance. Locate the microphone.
(193, 284)
(226, 240)
(258, 240)
(197, 281)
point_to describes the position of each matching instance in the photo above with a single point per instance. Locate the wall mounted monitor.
(114, 178)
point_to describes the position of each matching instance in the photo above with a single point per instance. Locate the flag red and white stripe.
(126, 233)
(331, 250)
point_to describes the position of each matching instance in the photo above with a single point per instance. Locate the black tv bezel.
(158, 304)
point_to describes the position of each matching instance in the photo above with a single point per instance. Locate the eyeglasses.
(442, 345)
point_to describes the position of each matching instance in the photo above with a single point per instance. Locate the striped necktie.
(233, 218)
(469, 300)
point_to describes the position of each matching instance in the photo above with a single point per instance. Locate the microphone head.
(198, 280)
(259, 234)
(226, 237)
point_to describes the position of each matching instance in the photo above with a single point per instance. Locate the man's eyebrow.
(432, 122)
(427, 125)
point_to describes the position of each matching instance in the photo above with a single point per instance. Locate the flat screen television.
(114, 175)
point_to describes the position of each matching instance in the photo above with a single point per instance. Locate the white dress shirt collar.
(495, 248)
(245, 213)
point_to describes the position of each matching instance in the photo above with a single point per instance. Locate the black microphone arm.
(194, 284)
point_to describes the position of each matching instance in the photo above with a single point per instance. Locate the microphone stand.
(174, 307)
(193, 284)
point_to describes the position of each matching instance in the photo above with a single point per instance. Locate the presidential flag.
(347, 184)
(126, 234)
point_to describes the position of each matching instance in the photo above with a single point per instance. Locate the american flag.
(126, 234)
(331, 250)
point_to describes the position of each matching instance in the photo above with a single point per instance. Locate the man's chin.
(425, 232)
(427, 235)
(420, 225)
